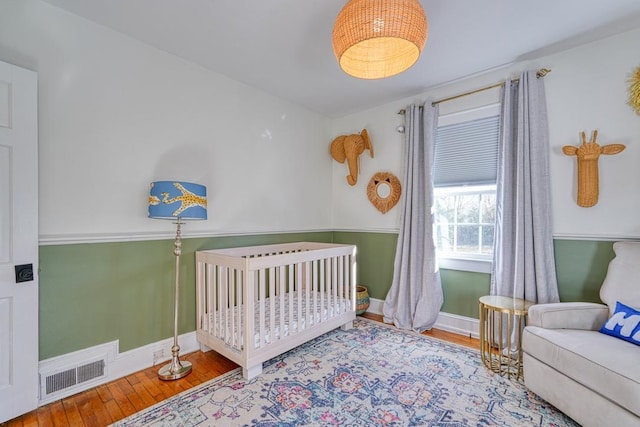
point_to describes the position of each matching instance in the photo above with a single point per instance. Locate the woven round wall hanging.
(384, 191)
(634, 91)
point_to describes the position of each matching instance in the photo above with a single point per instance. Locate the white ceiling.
(284, 46)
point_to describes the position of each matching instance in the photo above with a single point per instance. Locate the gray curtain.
(523, 259)
(415, 297)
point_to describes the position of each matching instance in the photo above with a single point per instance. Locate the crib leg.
(347, 325)
(204, 348)
(251, 371)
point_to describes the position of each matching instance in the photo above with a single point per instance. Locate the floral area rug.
(369, 375)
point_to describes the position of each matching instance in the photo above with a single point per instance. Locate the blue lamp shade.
(172, 199)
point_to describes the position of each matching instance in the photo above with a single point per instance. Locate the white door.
(18, 241)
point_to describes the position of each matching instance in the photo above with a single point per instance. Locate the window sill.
(465, 264)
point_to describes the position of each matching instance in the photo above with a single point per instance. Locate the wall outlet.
(157, 355)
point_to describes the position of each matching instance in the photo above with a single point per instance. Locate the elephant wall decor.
(349, 148)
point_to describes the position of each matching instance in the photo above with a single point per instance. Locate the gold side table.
(501, 349)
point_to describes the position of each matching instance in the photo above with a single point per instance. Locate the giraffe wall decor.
(588, 154)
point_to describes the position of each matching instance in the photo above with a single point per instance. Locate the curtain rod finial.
(543, 72)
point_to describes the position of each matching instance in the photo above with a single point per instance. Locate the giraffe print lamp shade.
(174, 199)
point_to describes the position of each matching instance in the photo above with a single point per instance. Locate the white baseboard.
(461, 325)
(117, 365)
(375, 306)
(143, 357)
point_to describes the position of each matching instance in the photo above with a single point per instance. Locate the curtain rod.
(541, 73)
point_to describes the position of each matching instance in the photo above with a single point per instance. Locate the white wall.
(586, 90)
(116, 114)
(351, 207)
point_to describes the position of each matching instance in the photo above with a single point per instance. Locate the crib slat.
(281, 298)
(272, 305)
(216, 301)
(329, 286)
(347, 288)
(314, 288)
(340, 283)
(230, 308)
(334, 283)
(336, 303)
(211, 300)
(322, 267)
(225, 304)
(232, 304)
(261, 296)
(352, 285)
(200, 300)
(291, 284)
(241, 303)
(237, 291)
(307, 285)
(345, 284)
(202, 276)
(299, 317)
(248, 311)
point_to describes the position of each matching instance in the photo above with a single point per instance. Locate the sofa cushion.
(624, 324)
(621, 283)
(601, 363)
(568, 315)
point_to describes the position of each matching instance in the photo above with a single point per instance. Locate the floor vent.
(62, 380)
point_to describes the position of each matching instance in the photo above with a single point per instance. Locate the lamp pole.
(176, 369)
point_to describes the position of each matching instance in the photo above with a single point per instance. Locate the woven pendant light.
(373, 39)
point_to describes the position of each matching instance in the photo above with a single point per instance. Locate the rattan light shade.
(373, 39)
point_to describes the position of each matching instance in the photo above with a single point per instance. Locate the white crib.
(254, 303)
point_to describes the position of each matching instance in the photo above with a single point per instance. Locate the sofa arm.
(568, 315)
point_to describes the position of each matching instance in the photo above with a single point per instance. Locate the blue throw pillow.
(624, 324)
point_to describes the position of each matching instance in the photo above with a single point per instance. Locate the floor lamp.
(177, 201)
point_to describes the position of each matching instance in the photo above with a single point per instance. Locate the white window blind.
(467, 153)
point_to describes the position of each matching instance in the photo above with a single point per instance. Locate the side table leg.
(483, 336)
(521, 323)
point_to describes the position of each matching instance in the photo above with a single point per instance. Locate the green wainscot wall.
(100, 292)
(95, 293)
(581, 266)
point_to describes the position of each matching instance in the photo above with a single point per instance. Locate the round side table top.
(506, 304)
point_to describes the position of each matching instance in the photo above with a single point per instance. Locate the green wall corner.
(581, 266)
(374, 256)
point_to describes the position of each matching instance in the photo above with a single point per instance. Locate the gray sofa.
(592, 377)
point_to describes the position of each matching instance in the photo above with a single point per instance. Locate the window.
(465, 185)
(465, 218)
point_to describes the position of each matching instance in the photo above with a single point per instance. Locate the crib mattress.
(229, 324)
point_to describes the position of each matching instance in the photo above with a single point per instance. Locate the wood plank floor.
(108, 403)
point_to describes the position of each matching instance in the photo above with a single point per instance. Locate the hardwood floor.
(108, 403)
